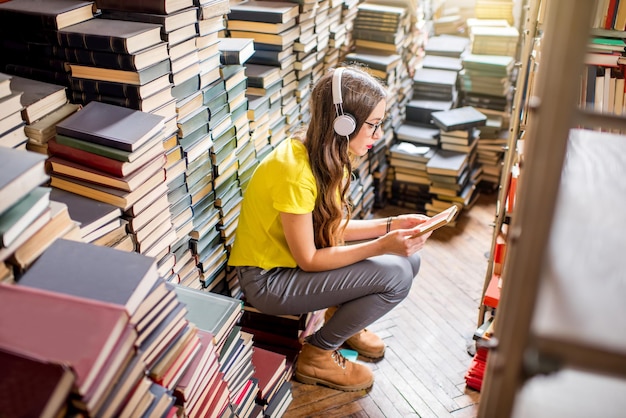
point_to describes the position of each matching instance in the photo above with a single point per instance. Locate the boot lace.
(339, 359)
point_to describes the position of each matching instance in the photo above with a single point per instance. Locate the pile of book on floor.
(140, 347)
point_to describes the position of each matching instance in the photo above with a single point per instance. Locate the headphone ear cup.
(344, 124)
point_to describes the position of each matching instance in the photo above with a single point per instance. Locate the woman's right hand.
(403, 242)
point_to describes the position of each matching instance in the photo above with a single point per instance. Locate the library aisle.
(422, 373)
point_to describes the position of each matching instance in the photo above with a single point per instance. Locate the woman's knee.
(400, 276)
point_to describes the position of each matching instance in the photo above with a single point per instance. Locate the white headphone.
(345, 123)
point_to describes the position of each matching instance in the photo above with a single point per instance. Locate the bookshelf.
(544, 324)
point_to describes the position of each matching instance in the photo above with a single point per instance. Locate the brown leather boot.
(330, 368)
(364, 342)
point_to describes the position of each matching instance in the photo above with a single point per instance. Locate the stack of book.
(410, 181)
(494, 40)
(454, 173)
(148, 345)
(272, 26)
(11, 124)
(435, 84)
(382, 65)
(494, 9)
(380, 27)
(274, 394)
(115, 155)
(44, 105)
(218, 315)
(26, 208)
(29, 33)
(258, 109)
(338, 34)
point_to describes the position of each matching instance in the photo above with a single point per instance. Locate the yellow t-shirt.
(283, 182)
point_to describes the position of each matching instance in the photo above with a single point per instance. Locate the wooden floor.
(427, 335)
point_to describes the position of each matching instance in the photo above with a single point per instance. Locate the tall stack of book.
(349, 12)
(453, 171)
(25, 207)
(411, 182)
(116, 155)
(338, 34)
(29, 36)
(128, 364)
(218, 315)
(380, 27)
(179, 28)
(272, 26)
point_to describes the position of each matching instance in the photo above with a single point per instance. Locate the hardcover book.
(21, 172)
(110, 125)
(94, 272)
(90, 329)
(50, 14)
(145, 6)
(263, 11)
(235, 51)
(33, 386)
(209, 311)
(38, 98)
(110, 35)
(459, 118)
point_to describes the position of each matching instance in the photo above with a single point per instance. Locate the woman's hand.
(407, 221)
(403, 242)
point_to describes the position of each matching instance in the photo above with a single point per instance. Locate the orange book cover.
(492, 295)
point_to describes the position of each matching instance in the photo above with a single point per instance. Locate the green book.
(105, 151)
(210, 312)
(15, 220)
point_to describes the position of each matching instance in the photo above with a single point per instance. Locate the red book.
(61, 328)
(99, 162)
(492, 294)
(193, 374)
(33, 387)
(269, 367)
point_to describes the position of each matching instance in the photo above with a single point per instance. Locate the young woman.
(291, 249)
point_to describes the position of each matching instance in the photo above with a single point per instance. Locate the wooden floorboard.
(427, 335)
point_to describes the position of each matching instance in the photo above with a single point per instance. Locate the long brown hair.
(329, 153)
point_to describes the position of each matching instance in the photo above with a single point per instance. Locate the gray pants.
(364, 292)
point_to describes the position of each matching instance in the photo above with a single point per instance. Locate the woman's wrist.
(389, 222)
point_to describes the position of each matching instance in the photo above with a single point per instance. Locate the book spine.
(82, 97)
(89, 159)
(85, 145)
(143, 6)
(14, 20)
(256, 16)
(93, 88)
(92, 42)
(101, 59)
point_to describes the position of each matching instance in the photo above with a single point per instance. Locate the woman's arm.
(300, 238)
(361, 229)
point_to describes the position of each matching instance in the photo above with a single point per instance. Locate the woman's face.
(370, 132)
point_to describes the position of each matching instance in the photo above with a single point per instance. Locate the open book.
(437, 221)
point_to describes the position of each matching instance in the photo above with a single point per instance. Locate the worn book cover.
(90, 329)
(21, 172)
(110, 35)
(50, 14)
(263, 11)
(459, 118)
(94, 272)
(110, 125)
(33, 386)
(38, 98)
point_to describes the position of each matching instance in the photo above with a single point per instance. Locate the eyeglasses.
(374, 125)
